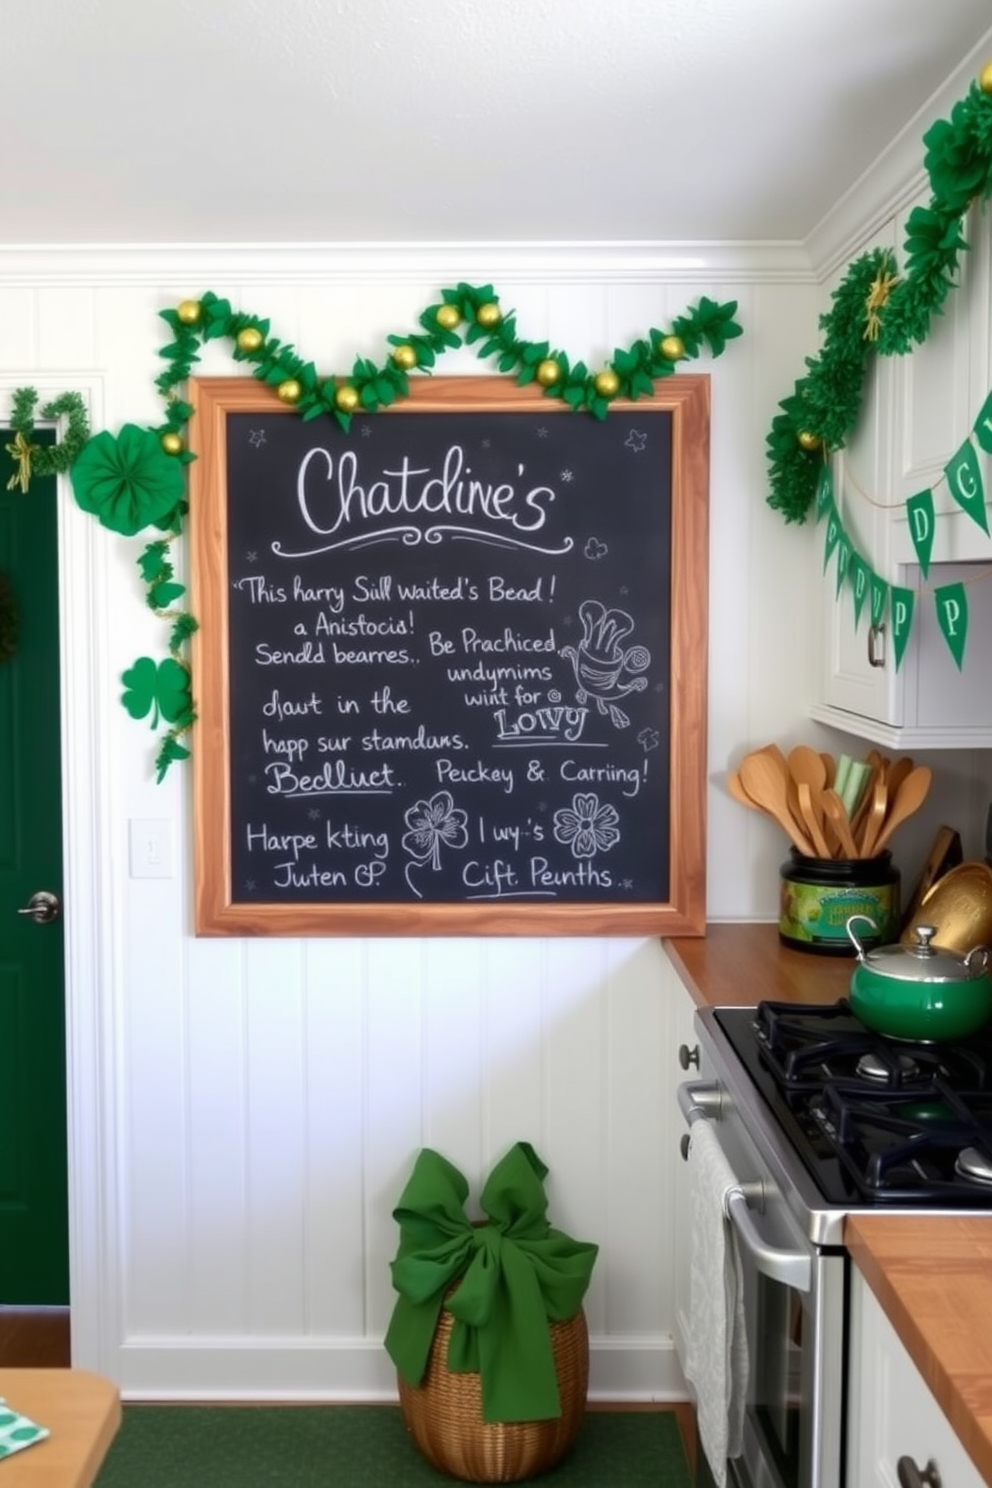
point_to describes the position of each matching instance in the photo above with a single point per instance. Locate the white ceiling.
(205, 121)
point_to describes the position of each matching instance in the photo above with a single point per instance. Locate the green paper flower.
(128, 482)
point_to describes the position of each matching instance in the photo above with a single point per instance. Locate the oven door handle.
(699, 1101)
(793, 1268)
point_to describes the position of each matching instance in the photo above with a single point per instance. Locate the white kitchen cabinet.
(918, 410)
(891, 1412)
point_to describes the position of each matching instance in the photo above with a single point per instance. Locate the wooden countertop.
(933, 1277)
(942, 1312)
(740, 965)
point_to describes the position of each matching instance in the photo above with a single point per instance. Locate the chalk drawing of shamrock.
(587, 826)
(429, 824)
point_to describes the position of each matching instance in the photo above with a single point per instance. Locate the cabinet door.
(929, 703)
(891, 1412)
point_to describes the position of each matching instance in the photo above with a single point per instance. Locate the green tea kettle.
(919, 991)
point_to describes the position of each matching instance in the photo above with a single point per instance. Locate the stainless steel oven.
(817, 1118)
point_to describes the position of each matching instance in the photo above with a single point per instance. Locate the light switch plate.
(150, 848)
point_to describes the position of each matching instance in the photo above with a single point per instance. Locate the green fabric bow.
(514, 1275)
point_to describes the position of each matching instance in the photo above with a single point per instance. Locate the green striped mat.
(358, 1447)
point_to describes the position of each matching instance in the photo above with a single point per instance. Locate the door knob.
(43, 907)
(910, 1475)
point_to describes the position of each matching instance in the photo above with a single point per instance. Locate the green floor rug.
(358, 1447)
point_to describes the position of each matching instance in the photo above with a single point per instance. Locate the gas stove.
(873, 1120)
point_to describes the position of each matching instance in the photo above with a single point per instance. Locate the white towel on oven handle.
(716, 1354)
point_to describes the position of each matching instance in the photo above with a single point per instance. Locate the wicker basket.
(444, 1413)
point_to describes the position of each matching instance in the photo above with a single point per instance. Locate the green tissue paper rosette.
(128, 482)
(514, 1275)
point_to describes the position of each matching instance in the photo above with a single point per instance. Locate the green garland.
(129, 488)
(631, 373)
(49, 459)
(874, 311)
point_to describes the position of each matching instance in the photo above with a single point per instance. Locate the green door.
(34, 1251)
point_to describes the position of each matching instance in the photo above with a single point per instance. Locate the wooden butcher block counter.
(932, 1275)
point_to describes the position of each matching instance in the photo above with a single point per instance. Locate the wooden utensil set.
(843, 808)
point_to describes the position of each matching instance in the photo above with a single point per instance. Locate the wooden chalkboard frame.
(216, 912)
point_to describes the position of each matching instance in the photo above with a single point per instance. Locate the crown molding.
(197, 264)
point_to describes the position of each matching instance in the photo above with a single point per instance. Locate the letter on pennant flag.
(983, 425)
(879, 600)
(860, 583)
(920, 515)
(901, 602)
(951, 603)
(824, 492)
(964, 476)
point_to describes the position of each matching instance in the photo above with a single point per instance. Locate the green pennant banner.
(824, 492)
(983, 425)
(832, 537)
(860, 584)
(951, 604)
(964, 476)
(902, 603)
(920, 515)
(879, 590)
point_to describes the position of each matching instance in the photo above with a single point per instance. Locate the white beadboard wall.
(243, 1114)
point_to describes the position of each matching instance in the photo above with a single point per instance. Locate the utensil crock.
(919, 991)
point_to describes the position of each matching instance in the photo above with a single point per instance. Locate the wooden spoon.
(897, 773)
(765, 782)
(912, 793)
(874, 819)
(806, 764)
(811, 819)
(736, 788)
(835, 810)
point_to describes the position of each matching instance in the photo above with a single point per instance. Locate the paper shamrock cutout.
(128, 482)
(160, 688)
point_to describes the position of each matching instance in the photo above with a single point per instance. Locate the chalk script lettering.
(332, 497)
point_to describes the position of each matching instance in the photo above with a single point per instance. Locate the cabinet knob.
(911, 1477)
(688, 1056)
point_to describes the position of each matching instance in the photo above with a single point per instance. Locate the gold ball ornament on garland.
(172, 443)
(347, 398)
(448, 316)
(672, 348)
(985, 78)
(548, 372)
(189, 312)
(290, 391)
(607, 383)
(808, 440)
(489, 314)
(405, 357)
(250, 339)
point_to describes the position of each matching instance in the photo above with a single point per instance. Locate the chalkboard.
(451, 668)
